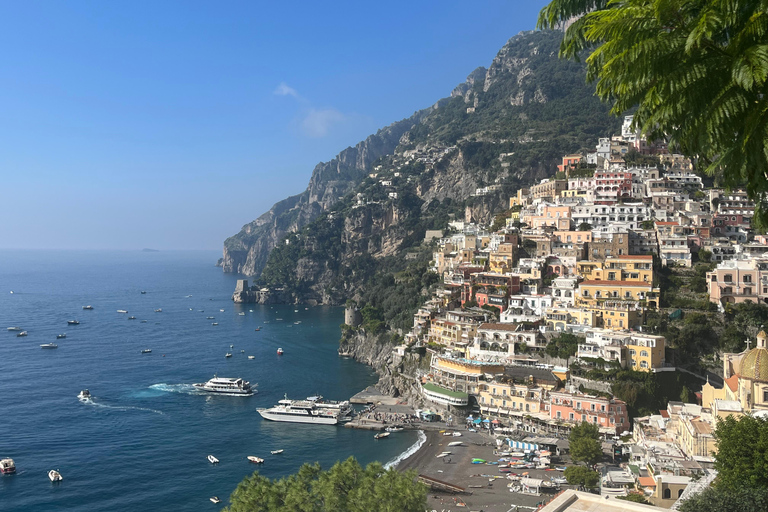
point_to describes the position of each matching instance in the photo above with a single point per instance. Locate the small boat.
(61, 336)
(478, 461)
(394, 429)
(215, 323)
(122, 310)
(251, 357)
(279, 351)
(250, 310)
(242, 351)
(241, 313)
(209, 318)
(84, 395)
(212, 459)
(7, 467)
(55, 476)
(49, 345)
(277, 452)
(131, 317)
(146, 351)
(143, 292)
(221, 310)
(278, 319)
(88, 307)
(215, 499)
(255, 460)
(22, 334)
(381, 435)
(457, 434)
(14, 328)
(257, 329)
(455, 443)
(159, 310)
(295, 310)
(441, 455)
(297, 322)
(231, 346)
(143, 321)
(73, 322)
(228, 355)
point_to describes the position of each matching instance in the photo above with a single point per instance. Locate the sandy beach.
(457, 469)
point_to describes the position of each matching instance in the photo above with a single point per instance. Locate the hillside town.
(576, 259)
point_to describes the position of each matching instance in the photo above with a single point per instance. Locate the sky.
(169, 125)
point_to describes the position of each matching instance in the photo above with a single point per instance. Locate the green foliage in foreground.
(697, 70)
(585, 446)
(719, 500)
(635, 497)
(742, 453)
(344, 487)
(581, 476)
(564, 345)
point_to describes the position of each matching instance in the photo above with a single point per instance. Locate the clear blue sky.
(131, 124)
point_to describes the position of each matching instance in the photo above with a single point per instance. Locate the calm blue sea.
(141, 444)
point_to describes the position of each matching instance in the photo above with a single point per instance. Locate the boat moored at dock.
(311, 410)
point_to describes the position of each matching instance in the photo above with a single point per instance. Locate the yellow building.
(502, 260)
(459, 374)
(520, 199)
(594, 291)
(451, 334)
(618, 268)
(558, 319)
(646, 352)
(617, 315)
(507, 400)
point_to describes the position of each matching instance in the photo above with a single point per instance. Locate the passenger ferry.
(311, 410)
(226, 386)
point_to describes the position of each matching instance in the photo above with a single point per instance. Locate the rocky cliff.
(247, 252)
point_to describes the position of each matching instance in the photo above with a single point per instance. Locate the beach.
(457, 469)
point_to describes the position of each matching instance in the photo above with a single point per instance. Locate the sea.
(142, 441)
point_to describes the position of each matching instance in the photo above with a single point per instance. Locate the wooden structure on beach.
(439, 485)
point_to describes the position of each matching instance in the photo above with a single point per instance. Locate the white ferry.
(308, 411)
(226, 386)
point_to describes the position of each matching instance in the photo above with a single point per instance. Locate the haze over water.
(141, 444)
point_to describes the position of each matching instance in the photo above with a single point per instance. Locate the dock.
(372, 396)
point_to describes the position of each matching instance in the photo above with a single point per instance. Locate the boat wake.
(407, 453)
(184, 389)
(91, 402)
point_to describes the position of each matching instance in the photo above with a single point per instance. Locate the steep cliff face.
(397, 375)
(247, 251)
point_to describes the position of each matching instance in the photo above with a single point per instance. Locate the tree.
(635, 497)
(581, 476)
(584, 444)
(697, 70)
(719, 500)
(742, 452)
(344, 487)
(585, 226)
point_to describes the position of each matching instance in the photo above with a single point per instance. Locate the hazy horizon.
(169, 126)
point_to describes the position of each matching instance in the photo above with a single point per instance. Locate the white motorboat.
(215, 323)
(443, 454)
(209, 318)
(212, 459)
(131, 317)
(251, 357)
(73, 322)
(277, 452)
(221, 310)
(49, 345)
(14, 328)
(89, 307)
(61, 336)
(215, 499)
(394, 429)
(7, 466)
(22, 334)
(84, 395)
(228, 355)
(456, 443)
(280, 351)
(55, 476)
(241, 313)
(146, 351)
(122, 310)
(381, 435)
(159, 310)
(255, 460)
(226, 386)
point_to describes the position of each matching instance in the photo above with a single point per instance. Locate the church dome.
(755, 365)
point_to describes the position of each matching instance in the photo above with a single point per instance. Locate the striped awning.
(519, 445)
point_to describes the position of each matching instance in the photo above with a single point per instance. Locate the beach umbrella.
(486, 420)
(495, 421)
(477, 421)
(469, 417)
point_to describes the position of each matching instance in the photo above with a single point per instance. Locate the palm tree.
(697, 71)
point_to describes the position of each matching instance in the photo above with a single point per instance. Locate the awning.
(477, 421)
(518, 445)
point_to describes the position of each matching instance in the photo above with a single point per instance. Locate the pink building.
(613, 185)
(608, 414)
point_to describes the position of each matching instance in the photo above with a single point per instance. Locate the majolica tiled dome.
(754, 365)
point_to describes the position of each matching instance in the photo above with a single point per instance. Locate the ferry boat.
(308, 411)
(7, 466)
(73, 322)
(226, 386)
(88, 307)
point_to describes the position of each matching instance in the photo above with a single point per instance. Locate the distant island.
(150, 250)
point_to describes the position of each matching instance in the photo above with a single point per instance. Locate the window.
(728, 278)
(747, 278)
(747, 291)
(643, 364)
(594, 419)
(578, 405)
(765, 395)
(632, 352)
(583, 417)
(643, 353)
(667, 494)
(570, 416)
(592, 407)
(558, 415)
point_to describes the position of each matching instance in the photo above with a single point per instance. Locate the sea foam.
(422, 437)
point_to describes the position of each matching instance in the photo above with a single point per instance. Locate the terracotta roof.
(666, 223)
(733, 383)
(646, 481)
(617, 283)
(664, 413)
